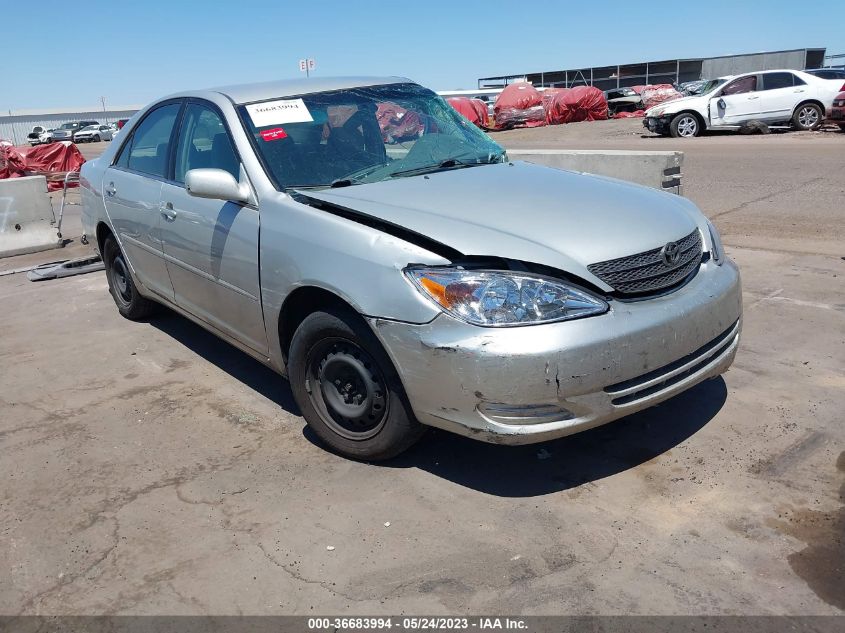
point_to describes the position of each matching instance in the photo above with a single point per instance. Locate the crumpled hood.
(683, 102)
(526, 212)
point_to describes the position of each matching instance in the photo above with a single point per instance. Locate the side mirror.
(721, 103)
(216, 184)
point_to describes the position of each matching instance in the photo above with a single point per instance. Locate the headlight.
(503, 298)
(716, 250)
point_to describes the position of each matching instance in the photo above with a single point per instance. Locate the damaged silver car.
(363, 239)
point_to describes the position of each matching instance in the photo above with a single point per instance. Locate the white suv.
(772, 97)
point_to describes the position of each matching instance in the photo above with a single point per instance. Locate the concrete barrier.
(661, 170)
(27, 222)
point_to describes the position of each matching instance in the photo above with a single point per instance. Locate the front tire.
(685, 125)
(129, 302)
(347, 389)
(807, 116)
(97, 138)
(842, 126)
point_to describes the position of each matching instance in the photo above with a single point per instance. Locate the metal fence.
(14, 127)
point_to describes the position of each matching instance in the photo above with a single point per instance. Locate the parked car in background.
(827, 73)
(47, 136)
(120, 123)
(836, 113)
(93, 134)
(773, 97)
(34, 137)
(66, 131)
(622, 100)
(402, 284)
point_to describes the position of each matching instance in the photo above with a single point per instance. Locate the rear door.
(132, 193)
(211, 246)
(779, 93)
(737, 102)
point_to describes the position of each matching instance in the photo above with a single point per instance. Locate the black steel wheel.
(121, 285)
(347, 388)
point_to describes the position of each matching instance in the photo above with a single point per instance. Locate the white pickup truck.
(774, 97)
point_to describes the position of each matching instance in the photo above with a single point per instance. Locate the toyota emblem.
(671, 253)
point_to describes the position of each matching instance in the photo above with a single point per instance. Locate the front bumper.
(528, 384)
(657, 124)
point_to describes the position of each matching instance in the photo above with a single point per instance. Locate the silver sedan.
(363, 239)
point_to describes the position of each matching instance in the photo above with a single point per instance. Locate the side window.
(148, 148)
(797, 81)
(204, 143)
(741, 85)
(773, 81)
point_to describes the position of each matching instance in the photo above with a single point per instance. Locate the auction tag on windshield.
(279, 112)
(274, 134)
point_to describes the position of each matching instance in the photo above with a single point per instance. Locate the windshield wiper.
(449, 163)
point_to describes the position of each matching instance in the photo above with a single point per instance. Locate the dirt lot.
(150, 468)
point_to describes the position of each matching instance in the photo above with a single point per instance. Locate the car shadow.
(557, 465)
(503, 471)
(240, 366)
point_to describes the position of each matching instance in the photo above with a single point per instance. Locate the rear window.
(773, 81)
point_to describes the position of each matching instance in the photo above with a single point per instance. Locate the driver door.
(737, 102)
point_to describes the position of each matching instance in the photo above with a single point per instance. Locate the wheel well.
(298, 305)
(697, 115)
(103, 231)
(814, 102)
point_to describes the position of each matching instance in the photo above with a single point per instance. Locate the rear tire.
(347, 389)
(96, 138)
(685, 125)
(129, 302)
(807, 116)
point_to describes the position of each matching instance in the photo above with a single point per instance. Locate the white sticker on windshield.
(276, 112)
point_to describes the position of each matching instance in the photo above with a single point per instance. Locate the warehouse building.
(16, 124)
(665, 71)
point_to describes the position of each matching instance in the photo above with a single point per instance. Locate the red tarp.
(397, 123)
(629, 115)
(549, 94)
(473, 109)
(657, 93)
(581, 103)
(53, 159)
(519, 105)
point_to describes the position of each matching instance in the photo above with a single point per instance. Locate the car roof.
(247, 93)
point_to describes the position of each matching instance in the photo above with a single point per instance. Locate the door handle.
(799, 90)
(110, 190)
(753, 97)
(168, 212)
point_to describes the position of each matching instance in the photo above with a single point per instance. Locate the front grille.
(647, 272)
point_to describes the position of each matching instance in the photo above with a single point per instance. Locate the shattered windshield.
(363, 135)
(710, 86)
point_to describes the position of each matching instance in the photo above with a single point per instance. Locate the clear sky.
(58, 54)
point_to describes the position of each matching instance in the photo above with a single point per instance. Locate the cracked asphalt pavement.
(149, 468)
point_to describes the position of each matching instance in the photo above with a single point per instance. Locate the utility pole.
(103, 101)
